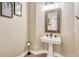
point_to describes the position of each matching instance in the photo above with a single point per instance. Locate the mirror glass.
(52, 21)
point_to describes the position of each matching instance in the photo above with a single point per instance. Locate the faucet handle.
(55, 36)
(50, 34)
(47, 35)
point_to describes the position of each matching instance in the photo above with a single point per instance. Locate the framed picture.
(17, 8)
(7, 9)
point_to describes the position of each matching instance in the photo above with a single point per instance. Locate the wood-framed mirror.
(52, 20)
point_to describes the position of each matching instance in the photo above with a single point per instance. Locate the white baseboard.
(58, 54)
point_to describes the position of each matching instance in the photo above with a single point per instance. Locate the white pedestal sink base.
(51, 41)
(50, 51)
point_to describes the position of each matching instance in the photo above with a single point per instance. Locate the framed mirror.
(52, 20)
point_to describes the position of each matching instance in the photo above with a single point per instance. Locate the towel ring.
(77, 17)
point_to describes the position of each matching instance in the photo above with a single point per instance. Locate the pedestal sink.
(51, 41)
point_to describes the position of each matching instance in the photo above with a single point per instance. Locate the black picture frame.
(7, 9)
(17, 9)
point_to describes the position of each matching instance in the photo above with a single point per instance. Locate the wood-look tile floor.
(39, 55)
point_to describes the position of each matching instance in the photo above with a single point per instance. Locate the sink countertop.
(52, 40)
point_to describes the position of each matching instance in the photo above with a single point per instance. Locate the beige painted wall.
(67, 34)
(32, 24)
(76, 30)
(67, 29)
(13, 34)
(39, 25)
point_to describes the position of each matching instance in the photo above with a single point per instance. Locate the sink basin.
(50, 41)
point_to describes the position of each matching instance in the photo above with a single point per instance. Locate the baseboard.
(58, 54)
